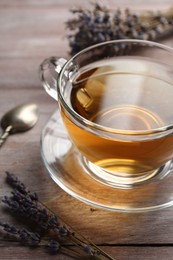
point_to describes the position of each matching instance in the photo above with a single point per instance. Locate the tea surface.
(126, 94)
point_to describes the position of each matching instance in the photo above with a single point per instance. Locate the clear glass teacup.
(115, 99)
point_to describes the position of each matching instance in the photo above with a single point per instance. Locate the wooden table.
(31, 31)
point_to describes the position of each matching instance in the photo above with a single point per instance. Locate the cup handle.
(49, 71)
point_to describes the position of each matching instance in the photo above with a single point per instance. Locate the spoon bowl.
(18, 119)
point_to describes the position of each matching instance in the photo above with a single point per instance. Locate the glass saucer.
(63, 163)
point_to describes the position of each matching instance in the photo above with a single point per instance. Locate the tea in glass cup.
(115, 100)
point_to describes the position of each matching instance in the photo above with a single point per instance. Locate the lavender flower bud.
(63, 231)
(10, 229)
(54, 246)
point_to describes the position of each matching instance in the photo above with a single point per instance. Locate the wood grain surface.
(31, 31)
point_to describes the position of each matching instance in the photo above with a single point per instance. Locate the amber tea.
(127, 97)
(114, 148)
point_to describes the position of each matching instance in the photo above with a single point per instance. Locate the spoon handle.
(4, 136)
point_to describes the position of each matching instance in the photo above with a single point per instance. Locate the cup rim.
(96, 126)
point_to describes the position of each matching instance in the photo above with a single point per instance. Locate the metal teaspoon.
(18, 119)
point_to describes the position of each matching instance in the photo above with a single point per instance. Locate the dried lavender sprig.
(55, 247)
(34, 239)
(91, 26)
(31, 209)
(18, 185)
(40, 215)
(31, 238)
(88, 246)
(23, 203)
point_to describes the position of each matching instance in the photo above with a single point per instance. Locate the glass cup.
(115, 99)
